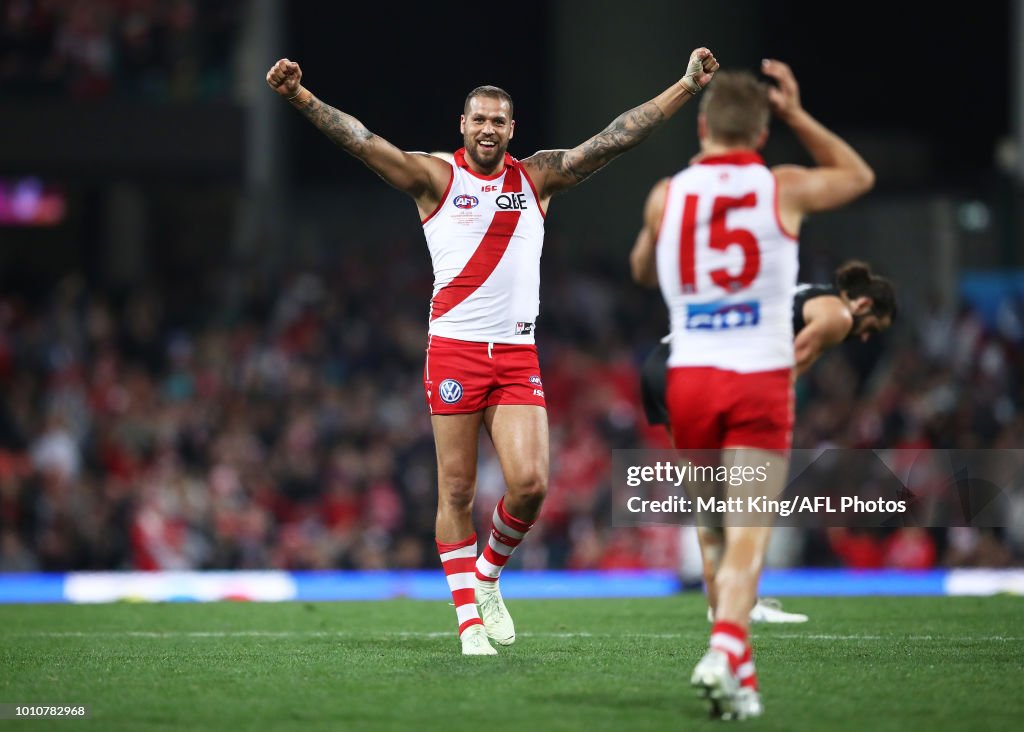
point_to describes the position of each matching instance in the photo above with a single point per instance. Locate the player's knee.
(530, 488)
(457, 493)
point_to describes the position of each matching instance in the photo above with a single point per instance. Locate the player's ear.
(511, 129)
(702, 127)
(862, 305)
(462, 124)
(761, 139)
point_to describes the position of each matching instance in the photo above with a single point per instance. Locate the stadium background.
(212, 323)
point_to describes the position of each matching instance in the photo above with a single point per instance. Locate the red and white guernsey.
(726, 266)
(485, 240)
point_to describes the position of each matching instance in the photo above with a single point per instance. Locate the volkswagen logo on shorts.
(450, 391)
(465, 201)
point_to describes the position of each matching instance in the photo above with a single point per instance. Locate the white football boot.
(716, 683)
(475, 643)
(746, 704)
(497, 621)
(768, 610)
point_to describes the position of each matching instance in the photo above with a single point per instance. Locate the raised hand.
(284, 78)
(700, 70)
(784, 98)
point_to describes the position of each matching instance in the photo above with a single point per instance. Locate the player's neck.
(713, 149)
(480, 170)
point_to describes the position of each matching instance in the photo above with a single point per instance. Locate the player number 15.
(722, 237)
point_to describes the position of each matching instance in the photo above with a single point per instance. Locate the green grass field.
(865, 663)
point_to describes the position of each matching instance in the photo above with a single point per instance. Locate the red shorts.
(467, 376)
(711, 409)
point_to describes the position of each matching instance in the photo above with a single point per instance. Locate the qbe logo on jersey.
(722, 316)
(450, 391)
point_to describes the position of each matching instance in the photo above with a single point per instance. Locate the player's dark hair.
(856, 280)
(736, 108)
(494, 92)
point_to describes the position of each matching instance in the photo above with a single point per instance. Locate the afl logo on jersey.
(535, 380)
(464, 201)
(450, 391)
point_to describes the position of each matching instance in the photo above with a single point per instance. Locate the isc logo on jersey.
(464, 201)
(450, 391)
(717, 316)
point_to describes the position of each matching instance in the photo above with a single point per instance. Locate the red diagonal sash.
(487, 255)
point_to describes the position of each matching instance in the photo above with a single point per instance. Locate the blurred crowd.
(94, 49)
(277, 419)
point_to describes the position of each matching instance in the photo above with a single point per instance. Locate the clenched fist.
(284, 78)
(700, 70)
(785, 98)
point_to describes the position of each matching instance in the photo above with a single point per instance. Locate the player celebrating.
(858, 305)
(483, 218)
(723, 233)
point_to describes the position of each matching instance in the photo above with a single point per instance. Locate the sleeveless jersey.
(803, 294)
(485, 240)
(726, 267)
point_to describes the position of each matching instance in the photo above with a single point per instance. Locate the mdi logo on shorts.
(722, 316)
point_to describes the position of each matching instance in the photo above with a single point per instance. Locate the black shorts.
(653, 376)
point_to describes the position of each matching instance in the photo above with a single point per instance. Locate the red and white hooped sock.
(457, 560)
(507, 532)
(731, 639)
(745, 672)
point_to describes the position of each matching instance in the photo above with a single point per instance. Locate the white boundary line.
(451, 634)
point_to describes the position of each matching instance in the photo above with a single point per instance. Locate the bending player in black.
(859, 305)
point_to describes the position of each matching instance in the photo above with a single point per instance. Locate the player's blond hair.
(736, 108)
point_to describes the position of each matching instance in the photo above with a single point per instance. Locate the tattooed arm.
(422, 176)
(557, 170)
